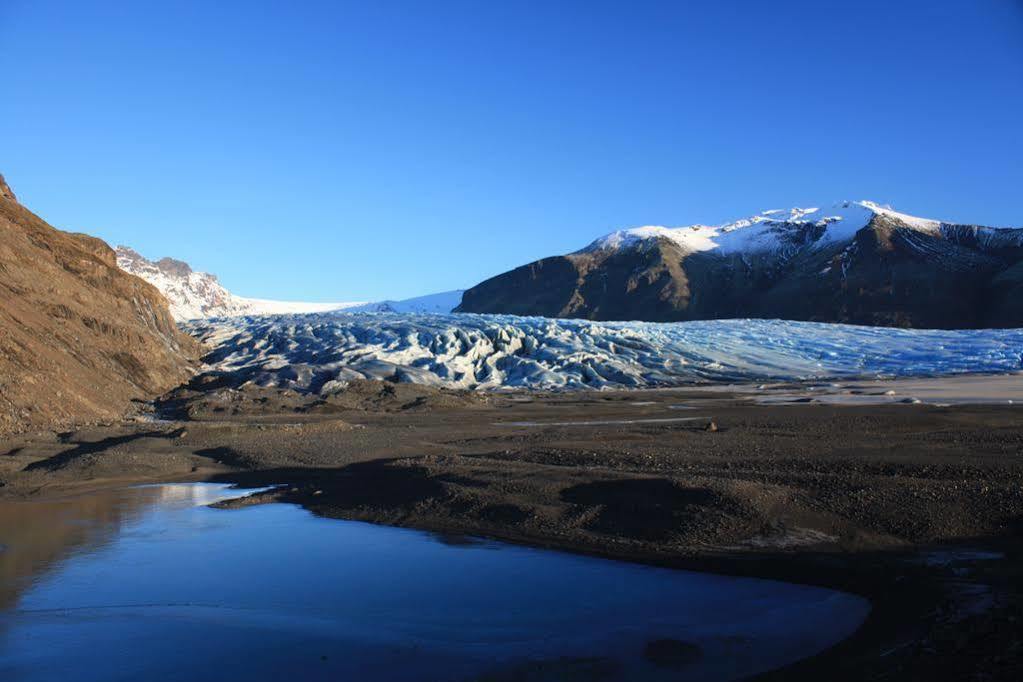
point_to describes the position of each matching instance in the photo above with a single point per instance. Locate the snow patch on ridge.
(199, 295)
(767, 231)
(922, 224)
(319, 353)
(193, 295)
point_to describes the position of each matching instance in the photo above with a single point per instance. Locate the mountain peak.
(765, 231)
(194, 295)
(858, 262)
(176, 268)
(5, 190)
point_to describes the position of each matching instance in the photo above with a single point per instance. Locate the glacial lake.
(148, 583)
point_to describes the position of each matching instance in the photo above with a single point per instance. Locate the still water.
(148, 583)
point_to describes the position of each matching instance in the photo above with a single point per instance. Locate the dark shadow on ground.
(645, 508)
(360, 486)
(62, 459)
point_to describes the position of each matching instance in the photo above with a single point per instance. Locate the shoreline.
(907, 599)
(660, 493)
(903, 604)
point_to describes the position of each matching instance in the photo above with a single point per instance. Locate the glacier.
(319, 353)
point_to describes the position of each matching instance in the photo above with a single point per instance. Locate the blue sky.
(360, 150)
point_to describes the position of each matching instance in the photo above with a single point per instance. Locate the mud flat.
(965, 389)
(915, 506)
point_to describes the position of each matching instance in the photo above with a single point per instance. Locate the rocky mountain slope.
(193, 295)
(854, 262)
(79, 338)
(199, 295)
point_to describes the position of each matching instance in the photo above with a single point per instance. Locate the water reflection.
(147, 583)
(35, 535)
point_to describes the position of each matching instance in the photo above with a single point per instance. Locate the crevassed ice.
(319, 352)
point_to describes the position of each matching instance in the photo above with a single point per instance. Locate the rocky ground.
(917, 507)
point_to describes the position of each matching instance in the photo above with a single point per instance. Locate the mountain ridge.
(6, 192)
(199, 295)
(79, 338)
(854, 262)
(196, 295)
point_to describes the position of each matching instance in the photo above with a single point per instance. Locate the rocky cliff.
(79, 338)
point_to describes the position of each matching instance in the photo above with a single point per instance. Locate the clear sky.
(360, 150)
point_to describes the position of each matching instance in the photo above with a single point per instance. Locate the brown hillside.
(889, 274)
(79, 338)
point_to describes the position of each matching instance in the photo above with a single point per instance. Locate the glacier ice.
(319, 352)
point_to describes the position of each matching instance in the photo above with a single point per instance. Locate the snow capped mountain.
(320, 353)
(193, 295)
(855, 261)
(773, 230)
(198, 295)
